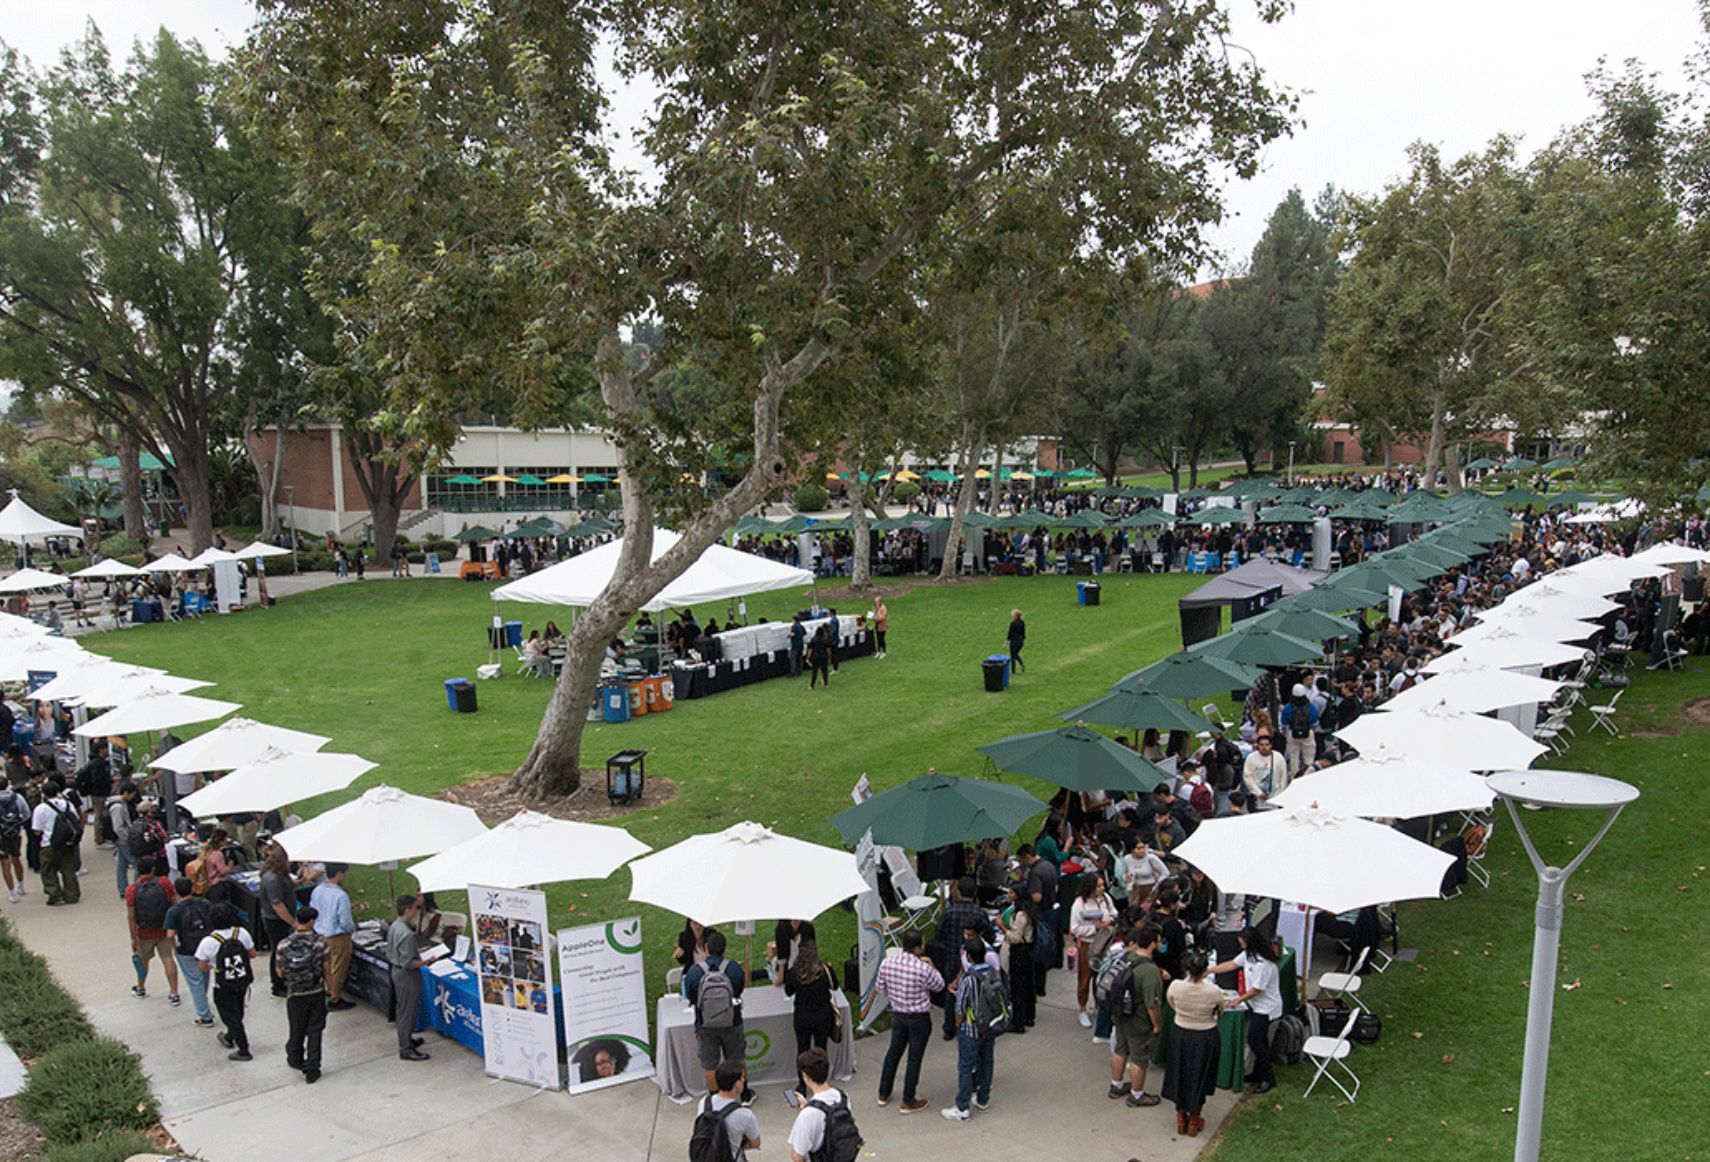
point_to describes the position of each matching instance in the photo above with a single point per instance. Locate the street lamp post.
(1562, 789)
(1291, 463)
(291, 519)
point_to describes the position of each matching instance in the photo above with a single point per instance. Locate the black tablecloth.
(370, 977)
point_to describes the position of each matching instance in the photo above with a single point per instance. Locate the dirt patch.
(18, 1139)
(495, 802)
(1693, 712)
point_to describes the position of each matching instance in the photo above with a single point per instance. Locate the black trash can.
(463, 697)
(1092, 591)
(993, 669)
(1692, 588)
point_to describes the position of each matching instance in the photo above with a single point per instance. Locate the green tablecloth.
(1232, 1030)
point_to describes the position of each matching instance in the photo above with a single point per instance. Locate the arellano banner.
(605, 1004)
(519, 1024)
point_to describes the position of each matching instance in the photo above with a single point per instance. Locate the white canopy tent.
(19, 523)
(719, 574)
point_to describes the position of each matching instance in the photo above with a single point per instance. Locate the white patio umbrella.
(383, 825)
(234, 743)
(1506, 654)
(260, 549)
(1594, 584)
(171, 563)
(88, 672)
(275, 779)
(1558, 602)
(129, 687)
(745, 872)
(1391, 786)
(1611, 566)
(1451, 737)
(211, 556)
(42, 653)
(527, 849)
(1527, 628)
(32, 580)
(14, 628)
(155, 710)
(1669, 553)
(1479, 689)
(1325, 860)
(20, 523)
(111, 567)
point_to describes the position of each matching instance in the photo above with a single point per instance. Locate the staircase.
(416, 519)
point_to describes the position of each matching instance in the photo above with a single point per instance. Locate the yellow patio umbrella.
(1021, 476)
(564, 478)
(498, 478)
(982, 474)
(905, 474)
(831, 476)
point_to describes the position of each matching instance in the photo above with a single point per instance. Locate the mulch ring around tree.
(18, 1139)
(1693, 712)
(495, 802)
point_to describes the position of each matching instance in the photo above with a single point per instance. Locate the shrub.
(35, 1013)
(119, 545)
(445, 548)
(112, 1146)
(811, 498)
(905, 491)
(84, 1089)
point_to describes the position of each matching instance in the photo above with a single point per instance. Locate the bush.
(440, 545)
(35, 1013)
(112, 1146)
(84, 1089)
(811, 498)
(119, 545)
(905, 491)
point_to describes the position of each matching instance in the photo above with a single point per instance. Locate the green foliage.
(80, 1089)
(905, 491)
(36, 1014)
(108, 1146)
(811, 497)
(23, 471)
(445, 548)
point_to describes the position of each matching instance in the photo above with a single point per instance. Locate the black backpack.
(104, 824)
(193, 923)
(67, 831)
(1300, 719)
(843, 1140)
(231, 964)
(1288, 1038)
(144, 839)
(13, 812)
(710, 1141)
(149, 904)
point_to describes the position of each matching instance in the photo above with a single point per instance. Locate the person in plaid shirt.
(908, 978)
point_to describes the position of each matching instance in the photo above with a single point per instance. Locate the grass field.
(1630, 1077)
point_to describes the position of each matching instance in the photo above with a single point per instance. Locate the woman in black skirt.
(811, 981)
(1190, 1071)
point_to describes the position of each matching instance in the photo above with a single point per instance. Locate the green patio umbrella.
(1085, 519)
(1287, 514)
(938, 475)
(1521, 498)
(1449, 538)
(1557, 464)
(531, 479)
(979, 520)
(595, 478)
(1520, 464)
(464, 478)
(1376, 575)
(1331, 599)
(1218, 515)
(1196, 494)
(1015, 522)
(1076, 758)
(752, 524)
(1128, 709)
(934, 810)
(1482, 464)
(588, 528)
(1083, 474)
(1397, 561)
(1147, 518)
(1034, 517)
(1364, 508)
(1189, 675)
(1257, 645)
(1433, 553)
(478, 533)
(1045, 473)
(1418, 508)
(147, 461)
(794, 524)
(1108, 490)
(1571, 497)
(1308, 624)
(534, 528)
(911, 520)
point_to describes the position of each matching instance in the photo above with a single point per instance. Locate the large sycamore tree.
(808, 162)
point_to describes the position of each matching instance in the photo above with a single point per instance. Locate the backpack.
(1113, 987)
(984, 1002)
(299, 963)
(193, 922)
(1300, 720)
(1288, 1038)
(67, 831)
(1204, 803)
(11, 817)
(715, 998)
(710, 1142)
(149, 904)
(231, 964)
(196, 872)
(144, 839)
(1045, 941)
(842, 1141)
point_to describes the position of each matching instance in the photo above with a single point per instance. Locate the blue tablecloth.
(451, 1006)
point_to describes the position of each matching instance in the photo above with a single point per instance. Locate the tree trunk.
(1251, 456)
(1434, 446)
(267, 472)
(191, 474)
(959, 514)
(384, 483)
(861, 568)
(130, 485)
(1452, 467)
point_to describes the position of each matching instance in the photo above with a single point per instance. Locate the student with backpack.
(824, 1130)
(225, 953)
(146, 904)
(59, 826)
(115, 824)
(300, 959)
(982, 1016)
(725, 1129)
(14, 822)
(1130, 991)
(1299, 720)
(715, 989)
(188, 921)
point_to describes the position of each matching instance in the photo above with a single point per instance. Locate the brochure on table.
(605, 1004)
(519, 1024)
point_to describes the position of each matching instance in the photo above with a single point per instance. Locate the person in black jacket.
(811, 982)
(1017, 638)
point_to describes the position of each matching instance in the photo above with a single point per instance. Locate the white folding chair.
(1330, 1055)
(1345, 986)
(1673, 653)
(1604, 715)
(1476, 852)
(674, 979)
(918, 906)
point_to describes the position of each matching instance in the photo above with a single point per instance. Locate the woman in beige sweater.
(1190, 1073)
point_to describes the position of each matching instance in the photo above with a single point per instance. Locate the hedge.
(811, 498)
(112, 1146)
(85, 1089)
(35, 1013)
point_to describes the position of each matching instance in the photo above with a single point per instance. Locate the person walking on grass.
(1017, 638)
(147, 903)
(819, 656)
(225, 954)
(301, 960)
(189, 921)
(881, 624)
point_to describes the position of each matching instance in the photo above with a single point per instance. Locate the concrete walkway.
(1050, 1084)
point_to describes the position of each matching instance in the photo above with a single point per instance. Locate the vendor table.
(1232, 1031)
(768, 1022)
(246, 898)
(370, 977)
(451, 1006)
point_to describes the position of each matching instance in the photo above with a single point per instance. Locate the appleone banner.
(519, 1026)
(605, 1004)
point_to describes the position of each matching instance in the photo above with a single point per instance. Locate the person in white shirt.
(58, 865)
(1265, 773)
(231, 981)
(740, 1124)
(1092, 912)
(807, 1135)
(1263, 997)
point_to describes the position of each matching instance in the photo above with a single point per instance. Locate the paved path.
(371, 1106)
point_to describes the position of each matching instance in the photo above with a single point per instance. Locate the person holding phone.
(1091, 917)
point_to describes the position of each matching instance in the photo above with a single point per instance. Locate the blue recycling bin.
(451, 691)
(1080, 592)
(513, 634)
(996, 671)
(614, 702)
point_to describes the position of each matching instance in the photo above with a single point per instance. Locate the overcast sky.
(1374, 75)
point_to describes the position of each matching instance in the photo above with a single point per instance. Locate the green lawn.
(364, 664)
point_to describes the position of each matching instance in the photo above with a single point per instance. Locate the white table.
(768, 1022)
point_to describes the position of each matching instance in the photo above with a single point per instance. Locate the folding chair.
(1476, 851)
(674, 979)
(919, 907)
(1345, 986)
(1604, 715)
(1330, 1055)
(1673, 653)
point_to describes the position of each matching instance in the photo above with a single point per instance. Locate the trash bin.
(637, 697)
(1089, 593)
(463, 696)
(451, 691)
(996, 671)
(614, 701)
(513, 634)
